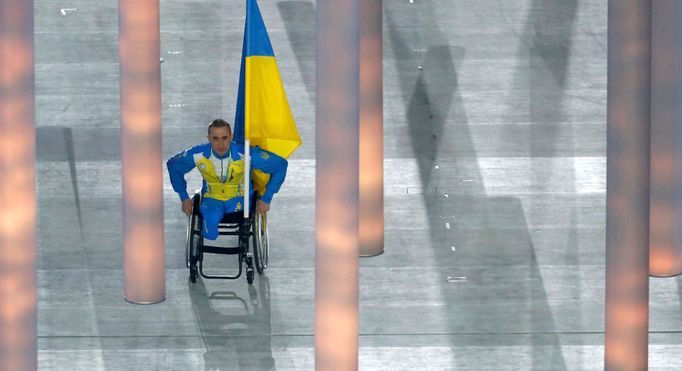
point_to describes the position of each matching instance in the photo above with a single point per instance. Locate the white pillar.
(337, 153)
(141, 154)
(371, 219)
(665, 255)
(18, 295)
(627, 185)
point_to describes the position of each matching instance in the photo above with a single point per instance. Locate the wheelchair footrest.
(221, 250)
(220, 277)
(249, 271)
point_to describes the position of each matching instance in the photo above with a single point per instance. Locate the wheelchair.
(233, 224)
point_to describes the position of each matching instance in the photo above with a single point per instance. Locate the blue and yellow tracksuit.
(222, 188)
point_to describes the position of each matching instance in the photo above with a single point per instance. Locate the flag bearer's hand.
(262, 207)
(187, 206)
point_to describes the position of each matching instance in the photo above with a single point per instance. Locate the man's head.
(220, 136)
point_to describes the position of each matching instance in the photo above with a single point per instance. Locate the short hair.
(219, 123)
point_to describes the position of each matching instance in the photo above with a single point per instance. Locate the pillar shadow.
(543, 60)
(299, 21)
(435, 109)
(546, 50)
(50, 148)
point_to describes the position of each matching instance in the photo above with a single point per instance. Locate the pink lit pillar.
(18, 295)
(336, 207)
(141, 155)
(627, 185)
(665, 255)
(371, 219)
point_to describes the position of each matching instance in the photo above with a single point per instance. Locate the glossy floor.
(495, 194)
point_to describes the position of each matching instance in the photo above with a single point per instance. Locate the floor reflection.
(235, 328)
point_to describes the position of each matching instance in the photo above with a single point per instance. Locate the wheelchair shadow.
(236, 331)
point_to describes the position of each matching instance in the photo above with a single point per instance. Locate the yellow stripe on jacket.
(217, 189)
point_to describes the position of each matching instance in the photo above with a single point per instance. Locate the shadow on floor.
(235, 330)
(427, 67)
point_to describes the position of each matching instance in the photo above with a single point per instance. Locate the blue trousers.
(213, 211)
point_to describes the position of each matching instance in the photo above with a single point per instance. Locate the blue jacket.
(221, 173)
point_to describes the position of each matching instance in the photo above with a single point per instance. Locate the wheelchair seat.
(252, 228)
(232, 218)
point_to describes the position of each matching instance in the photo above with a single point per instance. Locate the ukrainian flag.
(262, 115)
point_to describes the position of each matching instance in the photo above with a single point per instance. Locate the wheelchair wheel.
(196, 252)
(192, 250)
(190, 235)
(193, 274)
(260, 242)
(249, 275)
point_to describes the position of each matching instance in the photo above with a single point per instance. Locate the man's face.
(220, 139)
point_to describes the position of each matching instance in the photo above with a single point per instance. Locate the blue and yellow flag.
(262, 115)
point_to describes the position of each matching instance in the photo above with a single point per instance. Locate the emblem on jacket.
(179, 155)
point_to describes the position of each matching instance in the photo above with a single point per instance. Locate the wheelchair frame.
(232, 224)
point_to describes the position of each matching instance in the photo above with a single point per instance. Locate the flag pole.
(247, 147)
(247, 175)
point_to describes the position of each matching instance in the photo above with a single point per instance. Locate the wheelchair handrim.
(262, 246)
(189, 240)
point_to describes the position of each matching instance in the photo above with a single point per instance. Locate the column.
(665, 255)
(18, 293)
(141, 154)
(371, 221)
(627, 184)
(336, 177)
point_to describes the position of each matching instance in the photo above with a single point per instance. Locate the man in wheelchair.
(221, 164)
